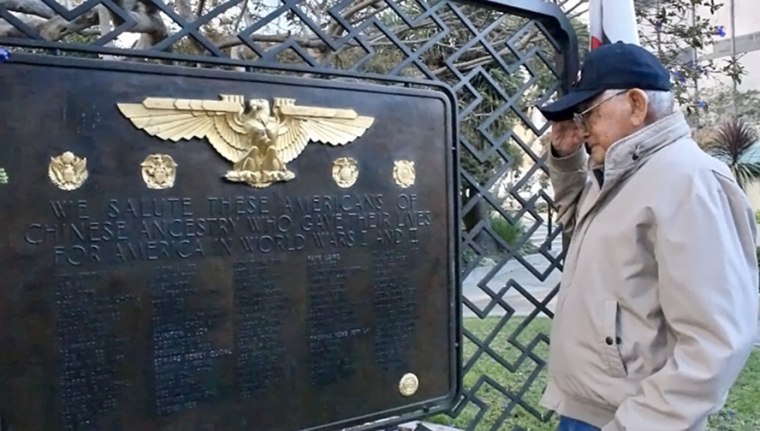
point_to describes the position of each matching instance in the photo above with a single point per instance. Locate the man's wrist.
(557, 154)
(571, 162)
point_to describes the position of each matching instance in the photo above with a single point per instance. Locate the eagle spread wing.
(176, 119)
(302, 124)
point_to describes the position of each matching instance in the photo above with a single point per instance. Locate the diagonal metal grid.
(498, 58)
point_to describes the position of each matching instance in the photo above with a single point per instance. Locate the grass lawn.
(498, 381)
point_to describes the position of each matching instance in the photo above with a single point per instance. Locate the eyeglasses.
(579, 119)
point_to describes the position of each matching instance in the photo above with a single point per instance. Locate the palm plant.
(733, 144)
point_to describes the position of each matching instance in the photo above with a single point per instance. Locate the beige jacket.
(658, 306)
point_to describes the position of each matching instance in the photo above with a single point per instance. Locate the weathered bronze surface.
(143, 291)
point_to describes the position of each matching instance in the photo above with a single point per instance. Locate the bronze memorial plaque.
(222, 250)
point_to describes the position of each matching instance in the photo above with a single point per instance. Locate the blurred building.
(747, 45)
(746, 14)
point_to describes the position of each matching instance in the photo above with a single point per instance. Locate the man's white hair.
(661, 103)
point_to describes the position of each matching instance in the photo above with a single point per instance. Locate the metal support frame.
(499, 57)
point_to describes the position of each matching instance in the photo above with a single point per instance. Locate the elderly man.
(658, 305)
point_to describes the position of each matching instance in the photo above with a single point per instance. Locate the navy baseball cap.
(613, 66)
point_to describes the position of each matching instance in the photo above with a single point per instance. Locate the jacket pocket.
(612, 339)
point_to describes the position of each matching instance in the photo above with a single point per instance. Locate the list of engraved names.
(214, 335)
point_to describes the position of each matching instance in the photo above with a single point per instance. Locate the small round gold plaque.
(408, 385)
(404, 173)
(68, 171)
(159, 171)
(345, 171)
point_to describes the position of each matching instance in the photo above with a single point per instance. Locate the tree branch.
(334, 28)
(104, 18)
(229, 42)
(58, 27)
(239, 20)
(151, 25)
(8, 30)
(29, 7)
(53, 27)
(202, 5)
(184, 9)
(488, 58)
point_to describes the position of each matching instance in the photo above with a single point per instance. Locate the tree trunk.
(472, 218)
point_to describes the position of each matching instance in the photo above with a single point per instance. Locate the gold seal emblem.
(68, 171)
(258, 138)
(159, 171)
(345, 171)
(408, 385)
(3, 176)
(403, 173)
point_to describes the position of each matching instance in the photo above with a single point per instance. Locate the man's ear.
(639, 103)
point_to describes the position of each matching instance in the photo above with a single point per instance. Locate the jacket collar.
(626, 155)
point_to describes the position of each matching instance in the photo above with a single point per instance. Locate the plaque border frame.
(396, 86)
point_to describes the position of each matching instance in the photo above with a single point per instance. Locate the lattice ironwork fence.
(499, 57)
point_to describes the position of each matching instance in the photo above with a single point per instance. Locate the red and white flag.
(611, 21)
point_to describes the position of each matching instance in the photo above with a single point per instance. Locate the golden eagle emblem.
(68, 171)
(257, 139)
